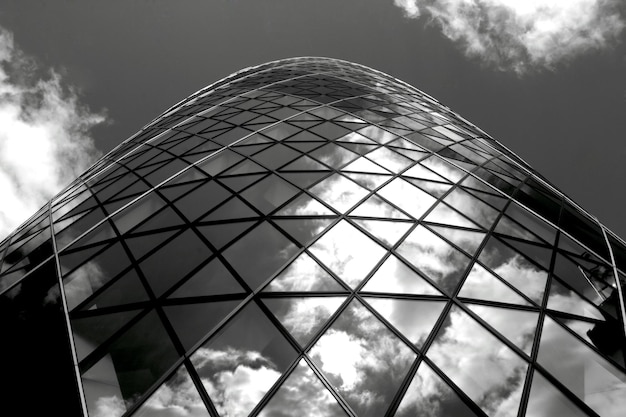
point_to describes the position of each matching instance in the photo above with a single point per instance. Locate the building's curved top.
(312, 236)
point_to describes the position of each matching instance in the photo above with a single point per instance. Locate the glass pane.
(516, 325)
(394, 276)
(242, 362)
(480, 284)
(177, 396)
(490, 373)
(303, 230)
(359, 354)
(265, 250)
(563, 299)
(347, 252)
(597, 382)
(434, 257)
(514, 269)
(304, 274)
(125, 372)
(375, 206)
(468, 240)
(269, 193)
(428, 395)
(408, 197)
(415, 319)
(472, 207)
(302, 393)
(385, 231)
(339, 192)
(212, 279)
(547, 401)
(303, 316)
(305, 205)
(442, 213)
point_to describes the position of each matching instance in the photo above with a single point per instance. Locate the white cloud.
(523, 34)
(44, 135)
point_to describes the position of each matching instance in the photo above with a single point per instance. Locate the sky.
(545, 78)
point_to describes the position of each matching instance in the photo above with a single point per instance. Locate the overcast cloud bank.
(44, 135)
(521, 35)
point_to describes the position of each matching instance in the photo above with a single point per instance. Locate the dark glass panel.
(276, 156)
(173, 261)
(126, 289)
(303, 230)
(193, 321)
(265, 251)
(90, 332)
(269, 193)
(196, 202)
(129, 367)
(212, 279)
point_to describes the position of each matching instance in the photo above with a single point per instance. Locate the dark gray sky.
(137, 58)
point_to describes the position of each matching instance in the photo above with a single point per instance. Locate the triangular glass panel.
(245, 167)
(305, 205)
(436, 189)
(164, 218)
(365, 165)
(518, 326)
(265, 250)
(305, 147)
(305, 163)
(304, 392)
(493, 378)
(303, 316)
(360, 148)
(563, 299)
(435, 258)
(303, 274)
(546, 400)
(269, 193)
(415, 319)
(125, 290)
(389, 159)
(249, 350)
(196, 203)
(369, 181)
(408, 197)
(428, 395)
(347, 252)
(532, 222)
(333, 155)
(303, 179)
(232, 209)
(90, 332)
(386, 231)
(443, 214)
(193, 321)
(212, 279)
(240, 182)
(472, 207)
(419, 171)
(468, 240)
(339, 192)
(507, 227)
(514, 269)
(539, 254)
(480, 284)
(303, 230)
(594, 332)
(276, 156)
(581, 280)
(222, 233)
(354, 354)
(375, 206)
(175, 397)
(593, 379)
(140, 245)
(395, 277)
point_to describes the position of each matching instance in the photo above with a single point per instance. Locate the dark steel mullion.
(539, 330)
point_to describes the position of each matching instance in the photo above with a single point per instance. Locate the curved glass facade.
(312, 237)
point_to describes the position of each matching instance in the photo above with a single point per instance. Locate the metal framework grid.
(314, 235)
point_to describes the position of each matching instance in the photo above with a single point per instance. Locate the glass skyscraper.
(312, 237)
